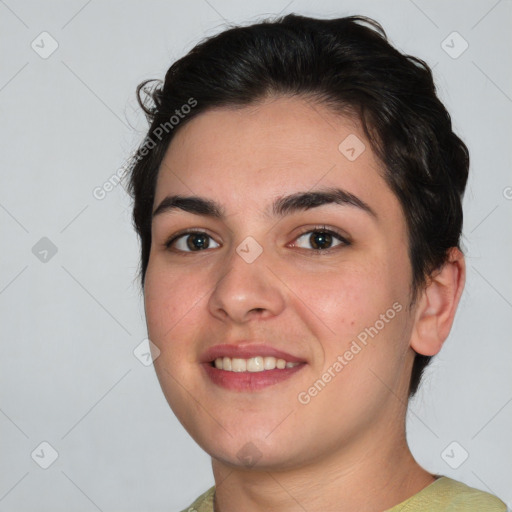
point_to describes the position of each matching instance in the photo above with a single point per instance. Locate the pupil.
(320, 238)
(197, 241)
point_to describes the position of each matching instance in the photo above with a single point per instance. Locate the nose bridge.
(245, 285)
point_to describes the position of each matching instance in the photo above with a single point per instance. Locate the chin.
(258, 452)
(250, 458)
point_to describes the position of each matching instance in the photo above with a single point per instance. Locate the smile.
(247, 380)
(246, 366)
(253, 364)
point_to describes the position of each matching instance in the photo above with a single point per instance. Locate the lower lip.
(249, 381)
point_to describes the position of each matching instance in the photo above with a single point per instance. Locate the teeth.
(254, 364)
(269, 363)
(237, 365)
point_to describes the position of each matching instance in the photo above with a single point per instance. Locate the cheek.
(348, 298)
(171, 300)
(359, 314)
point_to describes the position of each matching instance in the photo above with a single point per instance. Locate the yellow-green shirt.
(442, 495)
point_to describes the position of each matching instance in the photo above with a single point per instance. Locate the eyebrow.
(280, 207)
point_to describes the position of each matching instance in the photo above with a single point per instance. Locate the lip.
(249, 381)
(242, 350)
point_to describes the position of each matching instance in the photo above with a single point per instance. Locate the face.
(261, 277)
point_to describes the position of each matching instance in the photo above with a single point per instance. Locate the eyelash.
(316, 229)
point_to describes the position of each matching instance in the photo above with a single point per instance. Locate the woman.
(298, 200)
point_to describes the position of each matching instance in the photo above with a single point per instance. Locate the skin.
(346, 449)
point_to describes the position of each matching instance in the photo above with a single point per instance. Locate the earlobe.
(437, 305)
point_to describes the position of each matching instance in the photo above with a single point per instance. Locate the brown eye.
(321, 240)
(191, 241)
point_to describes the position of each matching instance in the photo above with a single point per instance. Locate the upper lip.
(245, 351)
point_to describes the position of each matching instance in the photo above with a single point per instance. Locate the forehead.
(242, 156)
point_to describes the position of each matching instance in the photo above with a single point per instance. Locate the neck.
(373, 476)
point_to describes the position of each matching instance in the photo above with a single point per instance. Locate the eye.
(191, 241)
(321, 239)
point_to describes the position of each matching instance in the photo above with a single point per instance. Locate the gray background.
(70, 322)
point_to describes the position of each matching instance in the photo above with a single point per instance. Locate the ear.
(437, 304)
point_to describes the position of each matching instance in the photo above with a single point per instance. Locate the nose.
(246, 291)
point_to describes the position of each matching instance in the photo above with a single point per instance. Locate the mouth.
(253, 364)
(249, 367)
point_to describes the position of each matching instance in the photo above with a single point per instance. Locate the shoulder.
(468, 498)
(444, 495)
(448, 495)
(204, 503)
